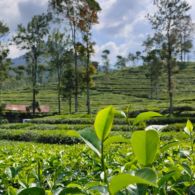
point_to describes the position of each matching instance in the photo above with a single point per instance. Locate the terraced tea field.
(119, 88)
(60, 154)
(110, 162)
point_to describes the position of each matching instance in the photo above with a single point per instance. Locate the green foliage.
(189, 128)
(4, 60)
(143, 117)
(189, 131)
(90, 138)
(103, 122)
(32, 191)
(145, 145)
(121, 181)
(109, 165)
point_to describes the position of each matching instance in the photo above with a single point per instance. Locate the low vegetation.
(147, 161)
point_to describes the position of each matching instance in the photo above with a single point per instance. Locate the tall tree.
(138, 56)
(106, 60)
(185, 44)
(153, 70)
(70, 9)
(4, 61)
(81, 15)
(88, 17)
(153, 62)
(68, 86)
(131, 58)
(57, 47)
(31, 38)
(167, 21)
(68, 78)
(120, 62)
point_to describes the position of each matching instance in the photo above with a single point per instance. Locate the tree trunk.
(170, 74)
(34, 76)
(76, 69)
(181, 52)
(88, 80)
(0, 94)
(151, 83)
(59, 89)
(70, 104)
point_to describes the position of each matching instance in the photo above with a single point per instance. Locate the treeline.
(165, 49)
(63, 37)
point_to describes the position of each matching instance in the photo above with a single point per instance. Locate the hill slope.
(119, 88)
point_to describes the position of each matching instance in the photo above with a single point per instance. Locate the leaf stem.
(104, 167)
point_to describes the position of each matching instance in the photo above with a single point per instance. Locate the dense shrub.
(52, 137)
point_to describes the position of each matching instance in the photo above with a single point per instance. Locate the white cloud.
(15, 51)
(123, 26)
(14, 12)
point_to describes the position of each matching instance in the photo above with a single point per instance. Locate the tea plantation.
(120, 88)
(104, 153)
(109, 162)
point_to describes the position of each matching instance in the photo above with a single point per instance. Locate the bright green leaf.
(32, 191)
(103, 122)
(145, 116)
(145, 145)
(148, 174)
(123, 180)
(11, 190)
(189, 128)
(90, 138)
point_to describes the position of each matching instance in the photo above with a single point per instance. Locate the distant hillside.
(121, 88)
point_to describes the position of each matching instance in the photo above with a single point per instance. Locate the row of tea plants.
(141, 164)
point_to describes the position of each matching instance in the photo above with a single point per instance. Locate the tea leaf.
(90, 138)
(189, 128)
(32, 191)
(103, 122)
(145, 145)
(123, 180)
(145, 116)
(148, 174)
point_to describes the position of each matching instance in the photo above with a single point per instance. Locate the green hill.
(120, 88)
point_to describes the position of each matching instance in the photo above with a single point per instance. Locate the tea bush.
(141, 163)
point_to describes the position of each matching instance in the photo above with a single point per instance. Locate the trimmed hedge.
(38, 136)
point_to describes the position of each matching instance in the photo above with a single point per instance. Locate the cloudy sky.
(122, 23)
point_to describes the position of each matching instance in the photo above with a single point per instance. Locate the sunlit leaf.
(145, 116)
(121, 181)
(188, 128)
(90, 138)
(145, 145)
(103, 122)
